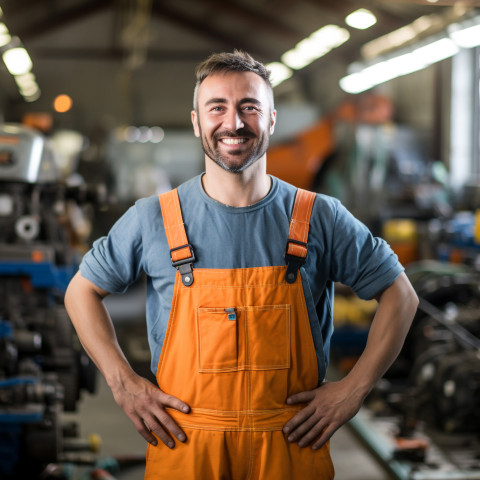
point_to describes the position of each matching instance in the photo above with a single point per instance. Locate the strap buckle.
(293, 262)
(185, 265)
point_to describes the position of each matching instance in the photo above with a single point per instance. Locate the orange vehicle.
(299, 160)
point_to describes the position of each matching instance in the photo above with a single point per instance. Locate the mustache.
(241, 132)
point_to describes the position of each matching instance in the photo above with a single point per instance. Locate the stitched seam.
(234, 413)
(195, 426)
(169, 328)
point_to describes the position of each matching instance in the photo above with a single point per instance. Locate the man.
(239, 324)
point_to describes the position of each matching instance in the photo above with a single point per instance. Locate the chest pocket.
(243, 338)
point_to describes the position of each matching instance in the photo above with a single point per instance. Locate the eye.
(250, 108)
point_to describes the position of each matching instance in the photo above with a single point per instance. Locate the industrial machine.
(423, 419)
(43, 368)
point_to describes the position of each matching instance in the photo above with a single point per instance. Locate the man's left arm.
(334, 403)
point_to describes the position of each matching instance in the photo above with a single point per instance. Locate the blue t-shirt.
(340, 249)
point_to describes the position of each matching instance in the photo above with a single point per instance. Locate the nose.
(233, 121)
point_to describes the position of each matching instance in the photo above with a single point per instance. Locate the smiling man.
(240, 270)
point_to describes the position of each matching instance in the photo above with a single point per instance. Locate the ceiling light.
(361, 19)
(4, 35)
(62, 103)
(436, 51)
(157, 134)
(466, 38)
(397, 66)
(28, 90)
(315, 46)
(17, 61)
(33, 97)
(25, 79)
(278, 73)
(398, 37)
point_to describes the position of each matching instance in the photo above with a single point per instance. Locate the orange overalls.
(238, 343)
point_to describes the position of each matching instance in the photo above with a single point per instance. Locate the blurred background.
(378, 105)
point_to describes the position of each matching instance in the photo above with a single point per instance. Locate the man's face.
(234, 119)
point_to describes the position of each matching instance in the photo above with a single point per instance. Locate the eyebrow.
(224, 100)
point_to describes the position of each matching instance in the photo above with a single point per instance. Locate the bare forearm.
(396, 309)
(334, 403)
(95, 329)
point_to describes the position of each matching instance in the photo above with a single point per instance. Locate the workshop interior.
(378, 105)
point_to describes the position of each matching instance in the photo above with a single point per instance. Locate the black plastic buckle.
(185, 265)
(293, 262)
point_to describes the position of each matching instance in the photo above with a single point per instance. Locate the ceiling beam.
(256, 18)
(387, 20)
(113, 54)
(58, 19)
(199, 27)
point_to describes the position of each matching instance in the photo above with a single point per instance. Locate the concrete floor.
(99, 414)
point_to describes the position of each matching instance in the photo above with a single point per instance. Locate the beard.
(241, 159)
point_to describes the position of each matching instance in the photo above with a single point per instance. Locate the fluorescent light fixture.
(315, 46)
(398, 37)
(4, 35)
(28, 90)
(17, 61)
(394, 67)
(33, 97)
(467, 37)
(25, 79)
(436, 51)
(361, 19)
(278, 73)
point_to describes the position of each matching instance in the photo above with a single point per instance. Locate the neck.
(236, 189)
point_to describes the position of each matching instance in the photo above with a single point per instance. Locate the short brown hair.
(237, 61)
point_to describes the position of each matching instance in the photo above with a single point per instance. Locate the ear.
(196, 129)
(273, 120)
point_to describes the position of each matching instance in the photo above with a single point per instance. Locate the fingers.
(305, 427)
(301, 433)
(166, 422)
(310, 432)
(174, 402)
(324, 437)
(146, 407)
(298, 419)
(143, 430)
(302, 397)
(160, 431)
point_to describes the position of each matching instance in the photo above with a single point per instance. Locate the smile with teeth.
(233, 141)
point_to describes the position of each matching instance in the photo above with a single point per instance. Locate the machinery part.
(29, 157)
(457, 391)
(27, 228)
(42, 365)
(100, 474)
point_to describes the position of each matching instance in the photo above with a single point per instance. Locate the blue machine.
(42, 365)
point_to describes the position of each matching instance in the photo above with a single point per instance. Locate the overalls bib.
(238, 343)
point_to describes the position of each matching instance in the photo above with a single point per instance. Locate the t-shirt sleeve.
(114, 261)
(365, 263)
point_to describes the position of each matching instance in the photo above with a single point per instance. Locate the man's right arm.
(143, 402)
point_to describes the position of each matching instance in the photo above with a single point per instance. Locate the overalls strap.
(180, 250)
(296, 251)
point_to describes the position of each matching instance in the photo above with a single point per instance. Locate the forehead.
(233, 86)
